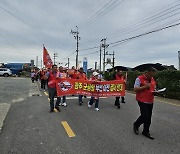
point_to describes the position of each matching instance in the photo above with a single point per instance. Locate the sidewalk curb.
(4, 109)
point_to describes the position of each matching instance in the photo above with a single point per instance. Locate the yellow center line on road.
(46, 93)
(55, 110)
(68, 129)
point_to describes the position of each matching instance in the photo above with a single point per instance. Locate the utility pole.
(100, 58)
(179, 59)
(54, 57)
(95, 66)
(104, 45)
(76, 36)
(113, 59)
(68, 63)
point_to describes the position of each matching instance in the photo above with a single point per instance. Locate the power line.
(25, 22)
(148, 24)
(127, 32)
(105, 10)
(140, 21)
(147, 33)
(137, 36)
(87, 19)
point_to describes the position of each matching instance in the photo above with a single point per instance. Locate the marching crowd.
(144, 87)
(48, 76)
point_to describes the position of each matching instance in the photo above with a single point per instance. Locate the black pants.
(32, 79)
(52, 94)
(117, 103)
(145, 117)
(43, 84)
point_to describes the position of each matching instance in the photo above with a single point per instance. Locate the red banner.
(90, 88)
(47, 59)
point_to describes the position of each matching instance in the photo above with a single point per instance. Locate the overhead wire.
(140, 21)
(30, 25)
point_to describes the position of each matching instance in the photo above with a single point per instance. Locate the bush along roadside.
(168, 79)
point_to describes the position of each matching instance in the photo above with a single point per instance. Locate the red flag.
(47, 59)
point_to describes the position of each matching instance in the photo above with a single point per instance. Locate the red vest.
(82, 76)
(146, 95)
(52, 80)
(119, 77)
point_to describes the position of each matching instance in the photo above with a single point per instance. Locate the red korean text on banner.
(47, 59)
(90, 88)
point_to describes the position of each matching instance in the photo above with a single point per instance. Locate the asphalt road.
(13, 88)
(29, 128)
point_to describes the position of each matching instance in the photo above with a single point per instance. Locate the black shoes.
(148, 135)
(80, 103)
(123, 102)
(118, 106)
(51, 110)
(136, 129)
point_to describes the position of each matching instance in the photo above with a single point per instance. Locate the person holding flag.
(63, 75)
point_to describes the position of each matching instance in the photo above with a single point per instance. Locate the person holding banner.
(51, 76)
(62, 75)
(95, 77)
(81, 76)
(144, 87)
(119, 76)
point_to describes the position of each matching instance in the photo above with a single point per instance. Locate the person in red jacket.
(119, 76)
(144, 87)
(51, 76)
(63, 75)
(42, 78)
(81, 76)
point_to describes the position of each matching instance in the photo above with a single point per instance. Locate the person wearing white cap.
(96, 99)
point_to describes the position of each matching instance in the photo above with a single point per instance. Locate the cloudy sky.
(27, 25)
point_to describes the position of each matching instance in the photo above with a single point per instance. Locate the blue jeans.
(92, 101)
(64, 99)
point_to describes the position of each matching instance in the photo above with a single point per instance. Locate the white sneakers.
(89, 106)
(96, 109)
(64, 104)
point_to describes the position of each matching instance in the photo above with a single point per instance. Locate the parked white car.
(5, 72)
